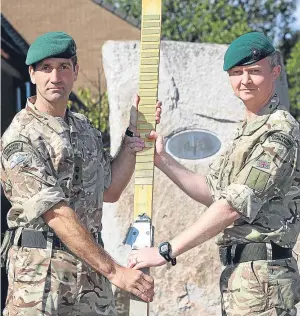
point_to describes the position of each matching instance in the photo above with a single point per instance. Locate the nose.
(245, 78)
(55, 76)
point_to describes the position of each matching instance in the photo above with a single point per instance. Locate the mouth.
(56, 88)
(245, 90)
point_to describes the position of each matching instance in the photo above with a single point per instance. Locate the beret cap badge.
(256, 53)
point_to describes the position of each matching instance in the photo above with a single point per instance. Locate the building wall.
(88, 23)
(8, 100)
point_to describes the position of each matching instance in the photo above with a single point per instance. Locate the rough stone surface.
(196, 94)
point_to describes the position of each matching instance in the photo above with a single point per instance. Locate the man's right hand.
(135, 282)
(159, 147)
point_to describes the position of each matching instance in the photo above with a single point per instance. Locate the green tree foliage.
(95, 108)
(220, 21)
(293, 72)
(273, 17)
(203, 22)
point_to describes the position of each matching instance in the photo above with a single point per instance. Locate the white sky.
(297, 15)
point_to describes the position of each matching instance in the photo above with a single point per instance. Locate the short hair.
(74, 60)
(274, 60)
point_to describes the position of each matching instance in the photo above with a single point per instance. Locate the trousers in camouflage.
(44, 282)
(261, 288)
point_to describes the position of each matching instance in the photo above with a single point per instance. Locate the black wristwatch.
(165, 250)
(129, 132)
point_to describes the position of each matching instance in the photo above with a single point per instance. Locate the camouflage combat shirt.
(45, 160)
(259, 175)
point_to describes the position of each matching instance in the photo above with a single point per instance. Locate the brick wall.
(88, 23)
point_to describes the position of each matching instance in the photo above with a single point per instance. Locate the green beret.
(247, 49)
(52, 44)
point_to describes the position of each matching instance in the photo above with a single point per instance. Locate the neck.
(56, 109)
(252, 108)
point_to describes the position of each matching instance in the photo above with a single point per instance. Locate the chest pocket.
(89, 144)
(241, 174)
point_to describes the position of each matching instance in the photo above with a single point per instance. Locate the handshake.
(135, 281)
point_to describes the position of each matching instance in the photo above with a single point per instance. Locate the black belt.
(38, 239)
(251, 252)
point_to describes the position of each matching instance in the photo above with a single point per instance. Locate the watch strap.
(167, 256)
(129, 132)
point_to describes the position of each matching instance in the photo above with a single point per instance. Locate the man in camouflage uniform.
(56, 175)
(252, 193)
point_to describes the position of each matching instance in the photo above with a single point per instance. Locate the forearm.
(122, 168)
(192, 184)
(216, 218)
(67, 226)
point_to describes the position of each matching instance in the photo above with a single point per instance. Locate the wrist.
(114, 274)
(161, 159)
(165, 250)
(132, 128)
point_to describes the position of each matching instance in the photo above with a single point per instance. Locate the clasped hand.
(135, 143)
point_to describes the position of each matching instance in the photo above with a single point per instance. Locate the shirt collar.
(249, 127)
(72, 122)
(56, 123)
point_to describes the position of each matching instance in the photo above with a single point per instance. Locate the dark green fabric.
(52, 44)
(247, 49)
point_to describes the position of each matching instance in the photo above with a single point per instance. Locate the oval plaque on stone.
(193, 144)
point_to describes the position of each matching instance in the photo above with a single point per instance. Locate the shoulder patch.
(12, 148)
(257, 179)
(282, 139)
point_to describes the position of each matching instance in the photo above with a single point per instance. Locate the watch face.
(164, 248)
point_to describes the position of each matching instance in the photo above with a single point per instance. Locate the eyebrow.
(65, 63)
(60, 64)
(250, 68)
(254, 67)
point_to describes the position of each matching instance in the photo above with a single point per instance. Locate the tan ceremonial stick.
(141, 232)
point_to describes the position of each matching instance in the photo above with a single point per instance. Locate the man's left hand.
(134, 113)
(135, 143)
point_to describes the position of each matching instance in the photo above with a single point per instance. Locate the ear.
(31, 74)
(276, 72)
(76, 72)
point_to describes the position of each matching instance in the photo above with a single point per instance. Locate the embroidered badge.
(263, 164)
(257, 179)
(12, 148)
(282, 139)
(16, 159)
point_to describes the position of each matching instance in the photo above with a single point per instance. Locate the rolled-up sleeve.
(29, 183)
(265, 174)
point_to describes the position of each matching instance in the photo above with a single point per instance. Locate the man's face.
(254, 84)
(54, 78)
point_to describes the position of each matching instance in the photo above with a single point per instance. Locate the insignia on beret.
(256, 53)
(247, 49)
(12, 148)
(257, 179)
(282, 139)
